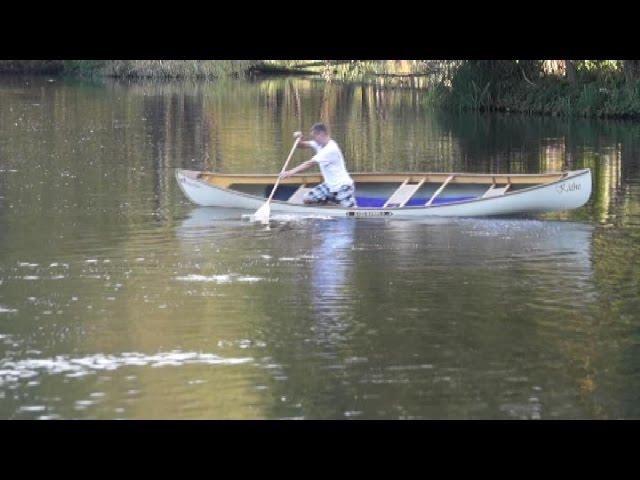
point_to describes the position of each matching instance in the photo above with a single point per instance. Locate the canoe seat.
(495, 191)
(403, 194)
(298, 195)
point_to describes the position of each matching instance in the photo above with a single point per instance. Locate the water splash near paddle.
(263, 213)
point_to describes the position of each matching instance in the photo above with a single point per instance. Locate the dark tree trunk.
(631, 70)
(570, 68)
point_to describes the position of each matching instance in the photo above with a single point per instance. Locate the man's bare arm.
(302, 143)
(303, 166)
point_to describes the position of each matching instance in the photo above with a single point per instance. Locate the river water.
(121, 299)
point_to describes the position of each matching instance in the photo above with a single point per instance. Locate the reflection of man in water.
(331, 282)
(338, 185)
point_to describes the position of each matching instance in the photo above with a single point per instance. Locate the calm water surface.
(120, 299)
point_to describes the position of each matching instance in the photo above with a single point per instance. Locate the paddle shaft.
(283, 169)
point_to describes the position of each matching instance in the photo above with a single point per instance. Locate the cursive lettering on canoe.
(568, 187)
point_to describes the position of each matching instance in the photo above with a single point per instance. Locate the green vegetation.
(83, 68)
(582, 88)
(131, 68)
(176, 68)
(32, 66)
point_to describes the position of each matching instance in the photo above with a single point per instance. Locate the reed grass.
(31, 66)
(157, 69)
(177, 68)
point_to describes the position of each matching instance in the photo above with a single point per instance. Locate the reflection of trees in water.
(74, 147)
(609, 354)
(179, 135)
(498, 143)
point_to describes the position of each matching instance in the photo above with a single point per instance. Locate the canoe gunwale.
(225, 180)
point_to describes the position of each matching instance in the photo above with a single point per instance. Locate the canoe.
(398, 194)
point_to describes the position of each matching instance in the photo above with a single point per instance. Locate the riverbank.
(161, 69)
(603, 90)
(351, 70)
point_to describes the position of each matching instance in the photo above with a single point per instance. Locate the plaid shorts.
(321, 194)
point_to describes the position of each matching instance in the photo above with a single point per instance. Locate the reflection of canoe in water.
(398, 194)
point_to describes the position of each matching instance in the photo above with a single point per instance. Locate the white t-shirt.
(331, 163)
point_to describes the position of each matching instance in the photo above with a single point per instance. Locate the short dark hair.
(319, 127)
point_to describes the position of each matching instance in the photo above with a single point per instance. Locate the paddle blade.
(262, 214)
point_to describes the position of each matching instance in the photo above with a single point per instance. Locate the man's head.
(320, 133)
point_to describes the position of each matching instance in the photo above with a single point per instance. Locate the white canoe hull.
(571, 191)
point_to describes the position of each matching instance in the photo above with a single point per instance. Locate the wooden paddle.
(263, 213)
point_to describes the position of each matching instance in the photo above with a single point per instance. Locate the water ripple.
(11, 371)
(218, 278)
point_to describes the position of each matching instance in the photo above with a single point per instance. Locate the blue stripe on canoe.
(285, 191)
(414, 202)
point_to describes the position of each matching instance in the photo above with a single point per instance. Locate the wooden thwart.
(403, 194)
(496, 191)
(439, 191)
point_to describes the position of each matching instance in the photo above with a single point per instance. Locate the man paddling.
(337, 186)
